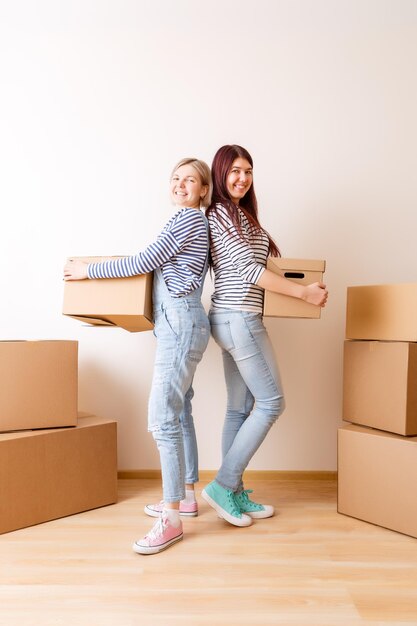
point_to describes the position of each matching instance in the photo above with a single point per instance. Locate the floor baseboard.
(207, 475)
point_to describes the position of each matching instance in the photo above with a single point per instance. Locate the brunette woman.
(239, 248)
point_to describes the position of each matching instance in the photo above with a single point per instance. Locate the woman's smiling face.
(186, 187)
(239, 179)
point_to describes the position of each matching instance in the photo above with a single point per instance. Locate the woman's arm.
(183, 226)
(155, 255)
(242, 257)
(315, 293)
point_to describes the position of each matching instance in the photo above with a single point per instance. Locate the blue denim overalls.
(182, 330)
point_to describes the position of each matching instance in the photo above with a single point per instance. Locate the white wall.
(100, 98)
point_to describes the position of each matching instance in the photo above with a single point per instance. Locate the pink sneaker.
(187, 509)
(160, 537)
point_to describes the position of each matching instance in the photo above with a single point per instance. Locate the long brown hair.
(222, 164)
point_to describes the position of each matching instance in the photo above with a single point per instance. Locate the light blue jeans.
(254, 392)
(182, 331)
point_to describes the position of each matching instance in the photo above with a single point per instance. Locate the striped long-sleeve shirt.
(180, 251)
(238, 262)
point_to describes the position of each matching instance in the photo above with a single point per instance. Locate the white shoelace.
(158, 528)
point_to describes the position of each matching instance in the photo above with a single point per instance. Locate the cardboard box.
(47, 474)
(382, 312)
(300, 271)
(39, 384)
(376, 476)
(123, 302)
(380, 385)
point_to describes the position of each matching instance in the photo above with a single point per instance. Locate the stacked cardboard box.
(377, 453)
(53, 462)
(39, 384)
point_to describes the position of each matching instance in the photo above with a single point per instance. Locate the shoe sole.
(259, 514)
(255, 514)
(243, 521)
(155, 549)
(153, 513)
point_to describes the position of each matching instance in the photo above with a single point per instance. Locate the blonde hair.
(204, 173)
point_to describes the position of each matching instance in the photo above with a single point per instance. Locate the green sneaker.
(223, 501)
(255, 510)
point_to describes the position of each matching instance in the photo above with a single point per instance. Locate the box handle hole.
(294, 274)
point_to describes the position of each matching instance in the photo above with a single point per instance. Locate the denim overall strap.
(161, 294)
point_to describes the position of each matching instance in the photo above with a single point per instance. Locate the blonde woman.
(179, 258)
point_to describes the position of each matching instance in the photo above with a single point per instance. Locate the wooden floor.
(307, 565)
